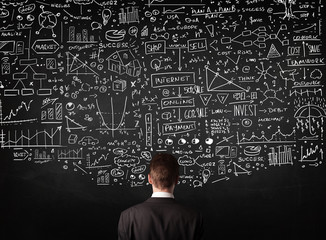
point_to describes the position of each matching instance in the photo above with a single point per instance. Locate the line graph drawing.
(311, 155)
(70, 154)
(24, 138)
(306, 28)
(173, 11)
(98, 162)
(13, 113)
(112, 126)
(277, 137)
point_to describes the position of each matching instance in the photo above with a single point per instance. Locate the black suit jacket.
(160, 218)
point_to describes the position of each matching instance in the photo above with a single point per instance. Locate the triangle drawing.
(205, 98)
(217, 83)
(273, 53)
(76, 66)
(222, 97)
(73, 125)
(240, 170)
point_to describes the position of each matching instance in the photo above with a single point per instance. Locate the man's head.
(163, 171)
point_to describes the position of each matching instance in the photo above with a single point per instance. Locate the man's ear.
(176, 181)
(150, 179)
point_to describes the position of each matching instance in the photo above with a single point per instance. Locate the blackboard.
(91, 89)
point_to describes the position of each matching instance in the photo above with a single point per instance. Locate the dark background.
(40, 202)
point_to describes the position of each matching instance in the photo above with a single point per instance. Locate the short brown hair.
(164, 170)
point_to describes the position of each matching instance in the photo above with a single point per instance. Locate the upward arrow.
(179, 60)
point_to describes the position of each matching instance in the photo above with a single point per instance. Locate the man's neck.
(166, 190)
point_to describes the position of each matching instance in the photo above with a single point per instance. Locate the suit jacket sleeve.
(123, 227)
(200, 228)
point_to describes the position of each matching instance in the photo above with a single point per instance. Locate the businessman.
(161, 217)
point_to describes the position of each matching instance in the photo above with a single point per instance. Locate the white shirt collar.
(162, 195)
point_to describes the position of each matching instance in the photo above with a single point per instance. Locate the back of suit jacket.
(160, 218)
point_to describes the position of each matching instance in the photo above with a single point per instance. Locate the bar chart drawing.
(279, 157)
(128, 15)
(52, 113)
(42, 156)
(80, 37)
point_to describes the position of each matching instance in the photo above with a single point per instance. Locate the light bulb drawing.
(206, 174)
(106, 15)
